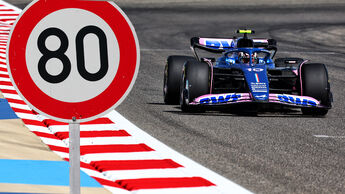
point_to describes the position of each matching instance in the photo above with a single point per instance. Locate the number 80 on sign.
(66, 63)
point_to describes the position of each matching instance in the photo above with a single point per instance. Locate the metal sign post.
(74, 157)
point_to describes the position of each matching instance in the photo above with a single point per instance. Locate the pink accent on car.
(300, 75)
(202, 41)
(243, 96)
(261, 40)
(273, 96)
(294, 100)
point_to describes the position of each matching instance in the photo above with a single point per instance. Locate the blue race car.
(245, 73)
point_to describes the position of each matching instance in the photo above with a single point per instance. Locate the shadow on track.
(244, 111)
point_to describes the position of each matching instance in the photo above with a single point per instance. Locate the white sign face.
(73, 59)
(78, 88)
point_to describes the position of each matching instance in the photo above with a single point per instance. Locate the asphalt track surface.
(266, 153)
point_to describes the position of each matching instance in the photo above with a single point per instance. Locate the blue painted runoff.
(40, 172)
(6, 111)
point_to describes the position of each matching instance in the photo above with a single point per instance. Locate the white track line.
(123, 156)
(329, 136)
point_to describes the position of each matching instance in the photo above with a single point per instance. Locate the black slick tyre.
(172, 78)
(315, 84)
(195, 82)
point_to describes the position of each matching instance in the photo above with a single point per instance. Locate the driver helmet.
(244, 57)
(254, 57)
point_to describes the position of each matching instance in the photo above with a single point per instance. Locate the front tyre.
(315, 84)
(195, 82)
(172, 78)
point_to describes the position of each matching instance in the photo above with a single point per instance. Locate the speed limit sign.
(73, 59)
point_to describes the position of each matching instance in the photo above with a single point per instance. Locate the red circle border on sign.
(86, 110)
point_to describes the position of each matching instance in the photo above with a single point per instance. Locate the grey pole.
(74, 157)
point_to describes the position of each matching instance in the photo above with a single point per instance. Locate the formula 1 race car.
(245, 73)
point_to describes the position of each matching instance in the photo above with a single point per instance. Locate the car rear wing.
(219, 45)
(215, 45)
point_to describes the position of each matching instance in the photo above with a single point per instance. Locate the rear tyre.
(194, 83)
(315, 84)
(172, 78)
